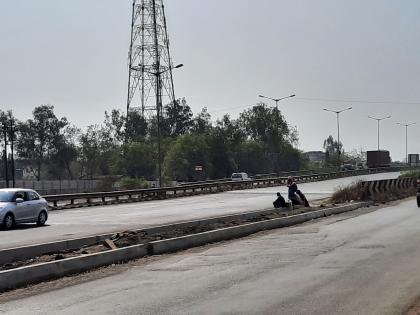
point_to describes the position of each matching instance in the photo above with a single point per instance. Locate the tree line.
(194, 147)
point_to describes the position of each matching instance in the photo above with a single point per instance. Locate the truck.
(377, 159)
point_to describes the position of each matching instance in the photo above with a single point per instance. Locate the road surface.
(82, 222)
(355, 263)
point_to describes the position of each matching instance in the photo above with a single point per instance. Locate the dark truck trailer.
(378, 159)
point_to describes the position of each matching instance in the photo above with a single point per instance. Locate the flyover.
(67, 224)
(364, 262)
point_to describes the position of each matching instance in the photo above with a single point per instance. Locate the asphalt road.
(67, 224)
(355, 263)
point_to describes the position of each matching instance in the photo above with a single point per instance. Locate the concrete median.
(23, 276)
(30, 251)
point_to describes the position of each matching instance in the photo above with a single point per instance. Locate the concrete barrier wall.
(383, 186)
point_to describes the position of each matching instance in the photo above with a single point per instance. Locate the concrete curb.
(26, 252)
(189, 241)
(20, 277)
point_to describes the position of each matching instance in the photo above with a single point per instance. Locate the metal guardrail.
(89, 199)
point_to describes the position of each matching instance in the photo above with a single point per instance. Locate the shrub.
(353, 192)
(128, 183)
(411, 174)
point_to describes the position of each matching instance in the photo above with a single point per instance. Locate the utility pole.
(12, 159)
(379, 120)
(406, 138)
(6, 162)
(338, 129)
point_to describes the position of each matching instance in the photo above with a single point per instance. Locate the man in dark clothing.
(280, 202)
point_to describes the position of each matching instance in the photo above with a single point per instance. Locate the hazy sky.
(334, 54)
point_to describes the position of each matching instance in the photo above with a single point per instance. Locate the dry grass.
(355, 192)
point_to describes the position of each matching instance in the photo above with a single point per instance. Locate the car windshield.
(5, 196)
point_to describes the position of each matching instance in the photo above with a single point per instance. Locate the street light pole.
(379, 120)
(406, 138)
(338, 128)
(277, 100)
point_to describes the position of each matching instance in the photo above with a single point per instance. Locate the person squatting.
(296, 197)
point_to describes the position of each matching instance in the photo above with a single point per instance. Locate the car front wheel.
(8, 221)
(42, 218)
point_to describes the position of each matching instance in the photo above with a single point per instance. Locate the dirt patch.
(55, 256)
(414, 310)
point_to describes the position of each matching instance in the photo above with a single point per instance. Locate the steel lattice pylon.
(150, 82)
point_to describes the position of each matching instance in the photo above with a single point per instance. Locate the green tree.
(231, 130)
(113, 127)
(202, 122)
(6, 118)
(177, 118)
(136, 127)
(266, 124)
(40, 137)
(138, 160)
(252, 158)
(186, 153)
(332, 149)
(66, 154)
(98, 152)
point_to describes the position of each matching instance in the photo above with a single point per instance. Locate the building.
(315, 156)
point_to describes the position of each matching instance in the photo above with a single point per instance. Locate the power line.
(356, 101)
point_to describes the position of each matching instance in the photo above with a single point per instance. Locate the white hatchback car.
(238, 177)
(22, 206)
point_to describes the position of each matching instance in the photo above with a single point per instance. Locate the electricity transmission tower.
(150, 82)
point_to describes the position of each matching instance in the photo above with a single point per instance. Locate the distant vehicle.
(237, 177)
(418, 193)
(347, 167)
(377, 159)
(360, 166)
(22, 206)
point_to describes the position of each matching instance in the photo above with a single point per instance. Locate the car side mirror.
(19, 200)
